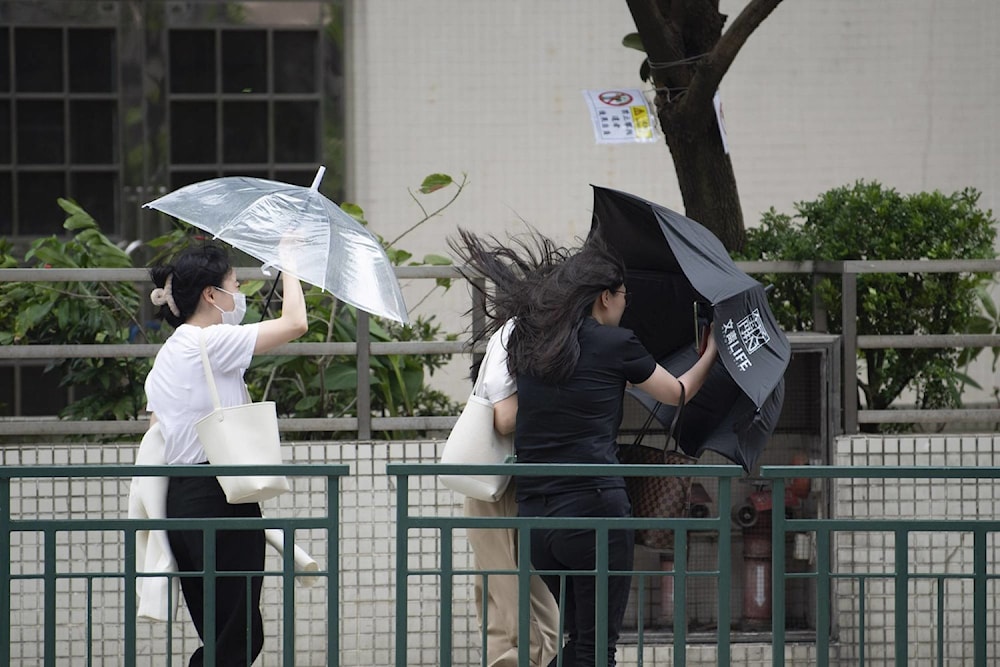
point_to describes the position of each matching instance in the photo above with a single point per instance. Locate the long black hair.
(190, 272)
(549, 289)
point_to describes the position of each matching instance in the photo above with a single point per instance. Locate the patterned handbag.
(658, 496)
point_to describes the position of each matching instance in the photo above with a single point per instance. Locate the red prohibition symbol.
(615, 98)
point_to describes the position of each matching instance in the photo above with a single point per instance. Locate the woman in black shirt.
(572, 362)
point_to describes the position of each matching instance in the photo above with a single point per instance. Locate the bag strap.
(207, 366)
(675, 424)
(490, 349)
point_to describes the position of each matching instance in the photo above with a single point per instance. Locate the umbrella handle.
(270, 295)
(675, 424)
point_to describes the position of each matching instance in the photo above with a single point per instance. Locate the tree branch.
(710, 71)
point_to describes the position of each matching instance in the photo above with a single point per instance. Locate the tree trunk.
(704, 172)
(687, 56)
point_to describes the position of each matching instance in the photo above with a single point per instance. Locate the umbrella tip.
(318, 179)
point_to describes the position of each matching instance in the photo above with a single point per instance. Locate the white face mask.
(234, 316)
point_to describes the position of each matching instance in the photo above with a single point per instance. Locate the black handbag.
(659, 497)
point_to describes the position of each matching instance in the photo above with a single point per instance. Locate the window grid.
(233, 128)
(59, 126)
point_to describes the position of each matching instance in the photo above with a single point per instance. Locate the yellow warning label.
(640, 120)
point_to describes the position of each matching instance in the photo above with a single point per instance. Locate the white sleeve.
(496, 382)
(230, 347)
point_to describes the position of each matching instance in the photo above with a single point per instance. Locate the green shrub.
(867, 221)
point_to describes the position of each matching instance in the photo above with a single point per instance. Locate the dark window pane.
(95, 192)
(92, 61)
(192, 61)
(296, 132)
(296, 177)
(4, 60)
(6, 204)
(244, 61)
(192, 132)
(7, 385)
(4, 132)
(40, 130)
(252, 173)
(179, 179)
(244, 132)
(38, 60)
(295, 61)
(93, 132)
(38, 212)
(40, 392)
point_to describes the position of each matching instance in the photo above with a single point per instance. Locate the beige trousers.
(496, 549)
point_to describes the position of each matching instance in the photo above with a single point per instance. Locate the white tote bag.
(241, 435)
(473, 440)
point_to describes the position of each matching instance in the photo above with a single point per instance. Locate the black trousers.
(567, 549)
(238, 623)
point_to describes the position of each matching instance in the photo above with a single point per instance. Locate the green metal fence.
(51, 578)
(409, 522)
(901, 571)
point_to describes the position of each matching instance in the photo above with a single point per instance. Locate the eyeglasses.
(628, 295)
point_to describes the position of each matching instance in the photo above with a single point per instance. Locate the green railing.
(901, 574)
(50, 576)
(445, 526)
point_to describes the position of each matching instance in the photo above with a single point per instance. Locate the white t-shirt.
(496, 382)
(176, 390)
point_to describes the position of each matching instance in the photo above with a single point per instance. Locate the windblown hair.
(549, 289)
(190, 272)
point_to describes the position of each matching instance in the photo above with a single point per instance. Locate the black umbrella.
(673, 262)
(720, 417)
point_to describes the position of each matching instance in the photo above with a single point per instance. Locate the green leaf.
(78, 218)
(354, 211)
(435, 182)
(338, 378)
(397, 255)
(633, 41)
(437, 260)
(31, 315)
(306, 403)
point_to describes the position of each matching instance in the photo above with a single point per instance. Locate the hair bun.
(164, 296)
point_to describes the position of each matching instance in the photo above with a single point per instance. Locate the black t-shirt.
(577, 420)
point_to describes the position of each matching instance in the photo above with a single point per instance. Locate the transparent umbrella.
(330, 249)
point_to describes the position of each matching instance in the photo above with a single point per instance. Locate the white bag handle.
(209, 377)
(477, 386)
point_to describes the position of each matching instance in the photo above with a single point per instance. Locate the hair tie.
(164, 296)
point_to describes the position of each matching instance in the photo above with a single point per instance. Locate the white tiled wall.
(929, 552)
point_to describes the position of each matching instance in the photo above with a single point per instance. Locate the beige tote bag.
(241, 435)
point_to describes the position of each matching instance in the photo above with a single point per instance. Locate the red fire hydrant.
(754, 517)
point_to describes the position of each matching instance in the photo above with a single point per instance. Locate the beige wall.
(822, 94)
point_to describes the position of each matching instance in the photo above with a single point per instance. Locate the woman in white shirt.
(198, 292)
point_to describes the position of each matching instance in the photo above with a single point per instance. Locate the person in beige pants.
(496, 549)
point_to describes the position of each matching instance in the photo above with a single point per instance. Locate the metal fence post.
(5, 570)
(849, 309)
(364, 377)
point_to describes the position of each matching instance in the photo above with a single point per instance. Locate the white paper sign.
(721, 119)
(621, 116)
